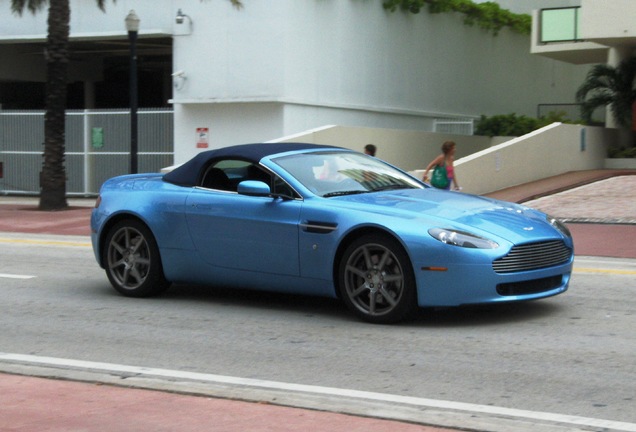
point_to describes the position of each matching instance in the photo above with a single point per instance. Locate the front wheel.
(132, 261)
(376, 280)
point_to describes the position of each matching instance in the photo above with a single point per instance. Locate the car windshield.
(329, 174)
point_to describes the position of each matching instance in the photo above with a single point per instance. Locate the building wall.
(356, 54)
(88, 21)
(353, 63)
(609, 19)
(528, 6)
(236, 122)
(277, 68)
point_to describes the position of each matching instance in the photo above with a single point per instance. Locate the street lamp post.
(132, 26)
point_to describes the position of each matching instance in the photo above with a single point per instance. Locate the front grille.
(533, 256)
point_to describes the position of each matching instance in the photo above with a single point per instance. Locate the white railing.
(459, 126)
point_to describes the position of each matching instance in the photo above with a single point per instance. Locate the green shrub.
(515, 125)
(487, 15)
(621, 152)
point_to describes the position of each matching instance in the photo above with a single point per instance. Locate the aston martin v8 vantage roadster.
(326, 221)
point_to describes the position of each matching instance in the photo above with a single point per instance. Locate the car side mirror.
(254, 188)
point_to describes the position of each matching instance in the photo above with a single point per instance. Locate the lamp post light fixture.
(132, 26)
(180, 17)
(184, 23)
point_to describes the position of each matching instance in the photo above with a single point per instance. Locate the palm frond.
(592, 104)
(236, 3)
(609, 86)
(18, 6)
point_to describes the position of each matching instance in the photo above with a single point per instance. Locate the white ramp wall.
(480, 167)
(552, 150)
(406, 149)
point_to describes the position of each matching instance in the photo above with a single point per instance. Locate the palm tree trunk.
(53, 174)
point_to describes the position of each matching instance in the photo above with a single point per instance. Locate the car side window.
(282, 188)
(254, 172)
(226, 174)
(215, 178)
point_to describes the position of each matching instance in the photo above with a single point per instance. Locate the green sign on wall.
(98, 137)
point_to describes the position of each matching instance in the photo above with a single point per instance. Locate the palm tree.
(53, 174)
(607, 85)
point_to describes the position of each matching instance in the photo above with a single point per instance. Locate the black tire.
(132, 261)
(376, 282)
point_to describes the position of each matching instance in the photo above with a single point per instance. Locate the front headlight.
(462, 239)
(560, 226)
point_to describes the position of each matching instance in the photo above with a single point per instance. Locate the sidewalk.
(29, 404)
(21, 215)
(599, 207)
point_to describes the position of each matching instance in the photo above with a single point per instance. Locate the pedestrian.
(443, 168)
(370, 149)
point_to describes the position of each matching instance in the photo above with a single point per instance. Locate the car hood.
(443, 209)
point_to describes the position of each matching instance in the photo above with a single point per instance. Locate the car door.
(242, 232)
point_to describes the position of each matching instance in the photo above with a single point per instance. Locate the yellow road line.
(604, 271)
(45, 242)
(88, 244)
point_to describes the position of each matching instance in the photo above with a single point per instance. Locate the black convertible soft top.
(188, 173)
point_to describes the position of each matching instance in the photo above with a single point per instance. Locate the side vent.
(317, 227)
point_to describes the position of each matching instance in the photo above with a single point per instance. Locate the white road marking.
(414, 402)
(15, 276)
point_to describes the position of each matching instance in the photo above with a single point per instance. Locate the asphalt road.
(572, 354)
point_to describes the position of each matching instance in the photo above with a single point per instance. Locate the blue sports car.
(326, 221)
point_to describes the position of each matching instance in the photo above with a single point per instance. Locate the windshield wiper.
(390, 187)
(341, 193)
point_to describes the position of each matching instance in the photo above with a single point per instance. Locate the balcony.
(557, 33)
(596, 32)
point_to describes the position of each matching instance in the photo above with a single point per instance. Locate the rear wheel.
(132, 260)
(376, 280)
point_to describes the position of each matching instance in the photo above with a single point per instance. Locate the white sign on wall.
(203, 138)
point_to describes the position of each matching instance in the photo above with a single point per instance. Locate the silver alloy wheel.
(128, 258)
(374, 280)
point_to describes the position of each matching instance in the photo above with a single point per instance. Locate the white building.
(586, 33)
(275, 68)
(594, 32)
(527, 7)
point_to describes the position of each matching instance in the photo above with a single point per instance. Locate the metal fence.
(97, 147)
